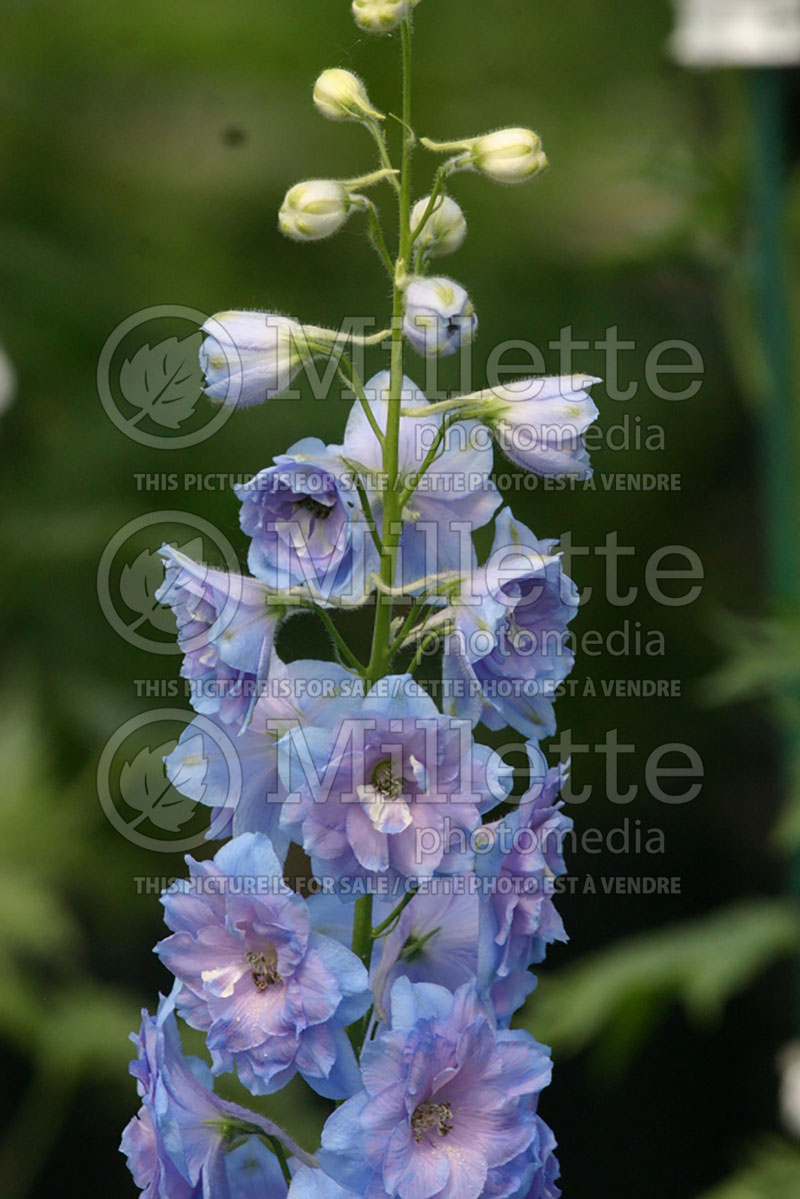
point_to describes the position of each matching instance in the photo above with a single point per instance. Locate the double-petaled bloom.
(180, 1143)
(273, 997)
(508, 650)
(387, 789)
(448, 1109)
(226, 630)
(307, 528)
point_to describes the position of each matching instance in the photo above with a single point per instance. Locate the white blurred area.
(789, 1095)
(8, 380)
(745, 33)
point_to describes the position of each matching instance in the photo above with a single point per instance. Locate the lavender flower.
(306, 524)
(316, 1184)
(199, 765)
(388, 788)
(226, 629)
(436, 940)
(525, 854)
(508, 650)
(177, 1145)
(456, 494)
(273, 997)
(448, 1106)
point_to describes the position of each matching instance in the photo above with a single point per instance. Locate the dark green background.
(144, 151)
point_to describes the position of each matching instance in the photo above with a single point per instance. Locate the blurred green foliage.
(144, 151)
(613, 999)
(773, 1174)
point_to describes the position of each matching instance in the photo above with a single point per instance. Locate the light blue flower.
(436, 940)
(177, 1145)
(308, 1183)
(249, 357)
(456, 494)
(524, 855)
(439, 316)
(306, 525)
(448, 1109)
(273, 997)
(539, 423)
(387, 788)
(200, 767)
(226, 629)
(508, 650)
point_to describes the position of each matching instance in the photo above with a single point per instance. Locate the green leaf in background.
(615, 996)
(763, 662)
(773, 1174)
(763, 658)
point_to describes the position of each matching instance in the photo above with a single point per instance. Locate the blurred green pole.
(779, 423)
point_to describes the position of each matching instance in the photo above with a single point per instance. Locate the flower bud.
(444, 230)
(341, 96)
(539, 423)
(379, 16)
(439, 316)
(315, 209)
(509, 155)
(249, 357)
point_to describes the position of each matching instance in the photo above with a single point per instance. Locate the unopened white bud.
(439, 316)
(315, 209)
(444, 230)
(509, 155)
(341, 96)
(379, 16)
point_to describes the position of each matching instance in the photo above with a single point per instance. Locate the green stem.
(390, 923)
(349, 377)
(279, 1151)
(379, 655)
(383, 151)
(429, 459)
(378, 240)
(407, 626)
(339, 640)
(367, 507)
(438, 184)
(392, 508)
(428, 639)
(362, 929)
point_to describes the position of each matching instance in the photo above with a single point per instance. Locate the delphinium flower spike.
(390, 991)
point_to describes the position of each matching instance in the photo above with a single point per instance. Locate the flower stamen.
(264, 968)
(315, 507)
(432, 1116)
